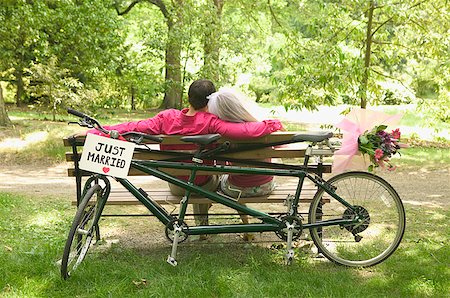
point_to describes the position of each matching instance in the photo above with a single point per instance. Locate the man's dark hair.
(198, 91)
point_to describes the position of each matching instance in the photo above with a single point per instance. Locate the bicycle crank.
(290, 222)
(174, 225)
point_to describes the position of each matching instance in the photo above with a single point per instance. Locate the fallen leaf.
(140, 283)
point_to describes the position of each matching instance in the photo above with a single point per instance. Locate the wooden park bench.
(162, 195)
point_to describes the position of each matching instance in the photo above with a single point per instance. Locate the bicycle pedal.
(172, 261)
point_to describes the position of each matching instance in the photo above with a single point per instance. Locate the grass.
(35, 138)
(34, 230)
(412, 118)
(423, 157)
(107, 116)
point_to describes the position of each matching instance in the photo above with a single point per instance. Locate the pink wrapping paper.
(353, 125)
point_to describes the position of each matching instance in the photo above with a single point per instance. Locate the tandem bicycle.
(361, 224)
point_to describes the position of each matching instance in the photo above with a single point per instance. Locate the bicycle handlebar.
(77, 113)
(135, 137)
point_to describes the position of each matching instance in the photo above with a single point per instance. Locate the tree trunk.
(20, 87)
(172, 95)
(4, 119)
(173, 49)
(211, 43)
(133, 93)
(365, 78)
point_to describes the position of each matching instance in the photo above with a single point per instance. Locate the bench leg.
(201, 214)
(247, 236)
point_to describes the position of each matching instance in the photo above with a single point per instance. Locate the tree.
(55, 85)
(4, 119)
(212, 32)
(21, 38)
(344, 51)
(174, 20)
(83, 36)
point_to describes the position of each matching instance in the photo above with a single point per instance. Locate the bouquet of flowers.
(364, 134)
(380, 146)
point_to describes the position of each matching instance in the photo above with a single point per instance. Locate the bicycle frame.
(270, 223)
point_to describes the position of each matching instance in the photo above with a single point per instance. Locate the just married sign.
(106, 156)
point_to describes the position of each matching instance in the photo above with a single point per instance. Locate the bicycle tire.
(81, 233)
(379, 234)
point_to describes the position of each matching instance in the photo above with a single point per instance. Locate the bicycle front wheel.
(81, 233)
(365, 243)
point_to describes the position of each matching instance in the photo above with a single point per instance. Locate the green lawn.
(423, 157)
(33, 232)
(34, 229)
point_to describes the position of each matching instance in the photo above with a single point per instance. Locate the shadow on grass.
(33, 236)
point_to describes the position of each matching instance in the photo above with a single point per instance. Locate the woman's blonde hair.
(227, 106)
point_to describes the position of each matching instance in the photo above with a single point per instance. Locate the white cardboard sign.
(106, 156)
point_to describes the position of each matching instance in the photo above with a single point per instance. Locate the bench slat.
(163, 196)
(253, 154)
(296, 150)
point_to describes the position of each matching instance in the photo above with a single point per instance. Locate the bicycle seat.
(317, 136)
(201, 139)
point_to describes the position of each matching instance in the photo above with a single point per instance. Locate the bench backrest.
(296, 150)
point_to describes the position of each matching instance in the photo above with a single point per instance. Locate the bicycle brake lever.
(137, 141)
(83, 123)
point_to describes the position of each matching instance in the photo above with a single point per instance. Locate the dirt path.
(429, 189)
(42, 181)
(419, 187)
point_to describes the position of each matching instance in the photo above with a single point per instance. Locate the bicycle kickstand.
(171, 258)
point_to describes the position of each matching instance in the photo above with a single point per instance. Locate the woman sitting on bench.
(227, 106)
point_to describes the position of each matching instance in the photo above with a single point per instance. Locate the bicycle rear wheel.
(363, 244)
(81, 233)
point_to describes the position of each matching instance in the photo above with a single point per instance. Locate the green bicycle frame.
(269, 223)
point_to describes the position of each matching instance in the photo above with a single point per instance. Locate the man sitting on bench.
(196, 120)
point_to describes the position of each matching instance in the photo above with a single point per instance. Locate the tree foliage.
(144, 53)
(83, 36)
(54, 87)
(330, 55)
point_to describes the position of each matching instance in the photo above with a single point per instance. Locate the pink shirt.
(176, 122)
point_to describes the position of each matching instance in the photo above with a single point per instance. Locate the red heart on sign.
(105, 170)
